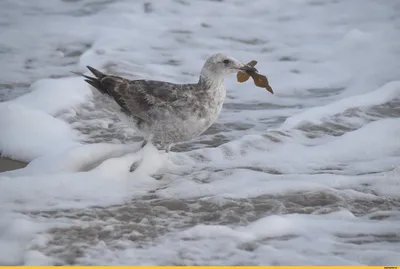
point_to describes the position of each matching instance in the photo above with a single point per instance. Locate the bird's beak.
(248, 68)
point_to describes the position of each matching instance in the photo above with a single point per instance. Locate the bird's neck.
(211, 81)
(212, 87)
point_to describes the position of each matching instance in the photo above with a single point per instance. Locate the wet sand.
(7, 164)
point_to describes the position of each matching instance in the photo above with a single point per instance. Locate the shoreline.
(7, 164)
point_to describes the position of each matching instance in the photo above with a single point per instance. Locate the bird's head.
(219, 66)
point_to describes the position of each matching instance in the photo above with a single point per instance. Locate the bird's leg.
(160, 175)
(168, 148)
(164, 148)
(144, 143)
(136, 164)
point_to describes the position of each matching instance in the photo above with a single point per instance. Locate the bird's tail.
(94, 81)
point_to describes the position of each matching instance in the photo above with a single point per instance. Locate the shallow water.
(309, 175)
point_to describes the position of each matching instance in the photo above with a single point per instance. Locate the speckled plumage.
(164, 112)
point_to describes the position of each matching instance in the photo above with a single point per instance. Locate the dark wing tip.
(96, 72)
(76, 73)
(81, 74)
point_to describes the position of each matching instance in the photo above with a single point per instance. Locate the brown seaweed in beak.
(259, 80)
(262, 82)
(243, 75)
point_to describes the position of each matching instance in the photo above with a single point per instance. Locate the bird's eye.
(226, 61)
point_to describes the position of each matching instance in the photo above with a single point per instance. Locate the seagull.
(166, 113)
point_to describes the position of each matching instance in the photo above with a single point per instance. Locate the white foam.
(316, 115)
(65, 185)
(308, 240)
(26, 134)
(28, 129)
(54, 95)
(16, 231)
(295, 161)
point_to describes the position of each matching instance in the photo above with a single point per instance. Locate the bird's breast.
(189, 118)
(210, 105)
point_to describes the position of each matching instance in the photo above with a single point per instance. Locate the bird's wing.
(139, 97)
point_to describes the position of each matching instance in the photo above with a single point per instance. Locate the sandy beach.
(7, 164)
